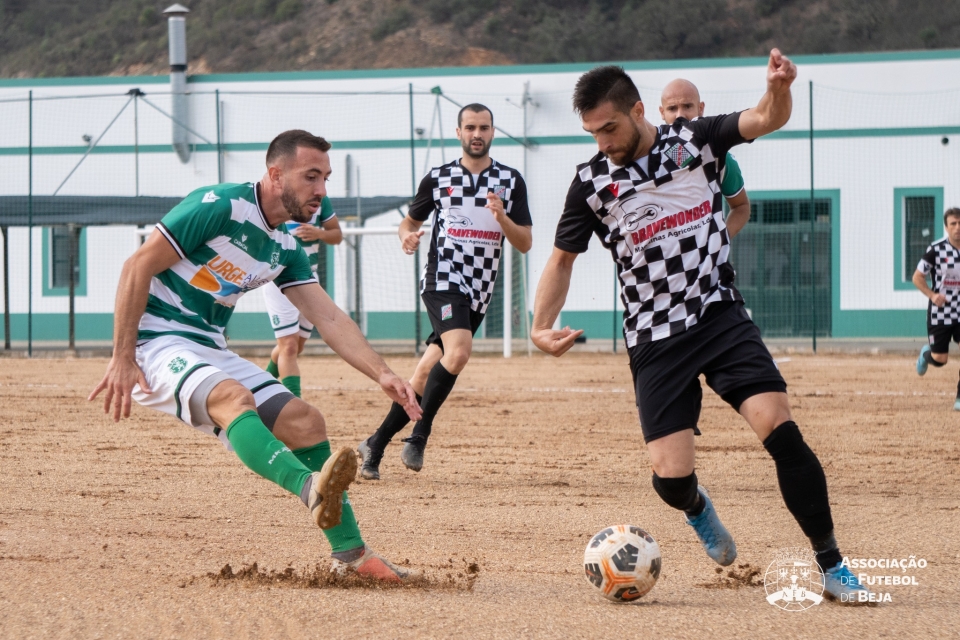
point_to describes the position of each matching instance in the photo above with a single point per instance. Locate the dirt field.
(122, 530)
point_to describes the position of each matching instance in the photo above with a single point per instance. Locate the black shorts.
(449, 310)
(940, 336)
(725, 346)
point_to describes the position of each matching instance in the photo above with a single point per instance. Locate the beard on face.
(293, 205)
(467, 149)
(622, 155)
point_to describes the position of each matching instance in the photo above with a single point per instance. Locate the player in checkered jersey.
(681, 99)
(475, 202)
(652, 195)
(942, 263)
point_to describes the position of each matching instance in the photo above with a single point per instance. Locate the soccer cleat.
(715, 538)
(956, 404)
(412, 454)
(370, 461)
(372, 565)
(841, 585)
(326, 493)
(922, 361)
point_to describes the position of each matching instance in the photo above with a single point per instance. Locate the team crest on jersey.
(500, 192)
(177, 365)
(274, 259)
(446, 312)
(679, 154)
(449, 191)
(275, 319)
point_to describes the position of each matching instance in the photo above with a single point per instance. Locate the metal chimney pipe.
(180, 110)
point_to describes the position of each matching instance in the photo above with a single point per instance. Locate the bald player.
(681, 99)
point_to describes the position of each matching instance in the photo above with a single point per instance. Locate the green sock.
(263, 454)
(292, 383)
(346, 535)
(272, 369)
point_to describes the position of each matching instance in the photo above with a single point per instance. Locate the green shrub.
(397, 19)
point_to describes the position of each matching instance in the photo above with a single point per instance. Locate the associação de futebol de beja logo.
(794, 581)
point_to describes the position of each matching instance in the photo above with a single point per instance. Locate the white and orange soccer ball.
(622, 562)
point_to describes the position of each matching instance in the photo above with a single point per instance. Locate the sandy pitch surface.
(119, 530)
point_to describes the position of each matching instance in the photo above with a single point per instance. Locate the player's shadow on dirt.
(321, 577)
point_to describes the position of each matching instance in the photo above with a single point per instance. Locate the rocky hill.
(129, 37)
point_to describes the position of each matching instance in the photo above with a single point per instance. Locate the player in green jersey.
(681, 99)
(175, 296)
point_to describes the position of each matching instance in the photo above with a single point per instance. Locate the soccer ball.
(623, 562)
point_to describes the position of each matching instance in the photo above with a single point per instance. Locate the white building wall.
(852, 93)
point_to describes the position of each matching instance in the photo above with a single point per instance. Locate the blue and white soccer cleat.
(921, 361)
(716, 540)
(841, 585)
(956, 404)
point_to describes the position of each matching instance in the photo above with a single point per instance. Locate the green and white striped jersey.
(226, 249)
(312, 248)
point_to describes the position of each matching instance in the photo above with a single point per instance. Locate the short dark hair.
(286, 144)
(953, 212)
(476, 107)
(605, 84)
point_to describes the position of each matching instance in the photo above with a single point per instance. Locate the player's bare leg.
(803, 486)
(285, 355)
(673, 458)
(457, 347)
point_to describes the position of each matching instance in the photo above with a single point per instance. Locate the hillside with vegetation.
(44, 38)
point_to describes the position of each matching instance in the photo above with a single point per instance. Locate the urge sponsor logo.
(223, 278)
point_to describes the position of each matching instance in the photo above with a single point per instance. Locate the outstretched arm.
(343, 336)
(773, 110)
(123, 373)
(551, 294)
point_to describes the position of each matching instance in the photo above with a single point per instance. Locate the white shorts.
(175, 367)
(285, 318)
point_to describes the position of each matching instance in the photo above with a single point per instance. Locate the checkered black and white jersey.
(466, 241)
(942, 262)
(661, 217)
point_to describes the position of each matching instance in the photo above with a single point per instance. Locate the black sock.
(802, 482)
(680, 493)
(393, 424)
(439, 384)
(928, 356)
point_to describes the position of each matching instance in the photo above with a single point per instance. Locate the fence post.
(813, 231)
(219, 142)
(416, 254)
(507, 300)
(6, 288)
(72, 288)
(30, 228)
(615, 307)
